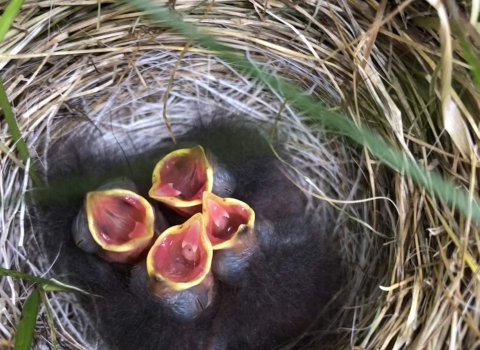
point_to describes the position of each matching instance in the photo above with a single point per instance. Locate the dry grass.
(68, 65)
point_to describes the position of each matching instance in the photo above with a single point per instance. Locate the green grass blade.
(470, 55)
(49, 285)
(432, 182)
(16, 134)
(26, 326)
(464, 31)
(8, 16)
(51, 324)
(6, 21)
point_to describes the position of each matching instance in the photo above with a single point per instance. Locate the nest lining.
(66, 77)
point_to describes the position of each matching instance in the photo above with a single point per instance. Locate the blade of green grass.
(472, 60)
(26, 326)
(8, 16)
(51, 324)
(431, 181)
(58, 286)
(48, 285)
(6, 21)
(460, 28)
(16, 134)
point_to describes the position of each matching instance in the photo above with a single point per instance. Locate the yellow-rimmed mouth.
(225, 219)
(181, 257)
(119, 220)
(180, 179)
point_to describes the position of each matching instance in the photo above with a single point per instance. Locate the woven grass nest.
(70, 67)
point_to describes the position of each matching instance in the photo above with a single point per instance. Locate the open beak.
(180, 179)
(117, 224)
(185, 305)
(180, 258)
(229, 222)
(230, 227)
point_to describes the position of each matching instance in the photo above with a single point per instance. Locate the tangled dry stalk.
(396, 66)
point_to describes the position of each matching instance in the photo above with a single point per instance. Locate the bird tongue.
(191, 241)
(218, 214)
(167, 190)
(224, 216)
(180, 255)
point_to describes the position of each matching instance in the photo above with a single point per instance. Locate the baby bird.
(276, 265)
(284, 290)
(230, 227)
(178, 269)
(124, 314)
(116, 223)
(245, 166)
(120, 229)
(180, 178)
(272, 277)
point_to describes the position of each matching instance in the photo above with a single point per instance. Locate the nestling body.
(262, 293)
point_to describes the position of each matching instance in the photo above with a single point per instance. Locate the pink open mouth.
(182, 254)
(224, 218)
(121, 222)
(180, 179)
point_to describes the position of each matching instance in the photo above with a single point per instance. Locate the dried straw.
(68, 65)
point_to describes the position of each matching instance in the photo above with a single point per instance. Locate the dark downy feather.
(284, 286)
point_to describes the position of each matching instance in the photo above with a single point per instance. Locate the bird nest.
(73, 67)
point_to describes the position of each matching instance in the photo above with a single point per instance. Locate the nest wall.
(77, 68)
